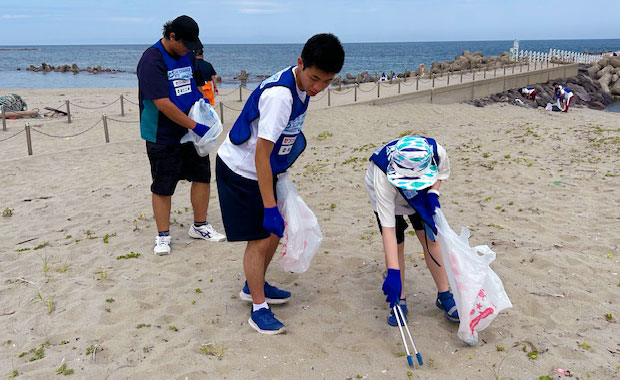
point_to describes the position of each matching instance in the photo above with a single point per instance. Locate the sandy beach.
(540, 188)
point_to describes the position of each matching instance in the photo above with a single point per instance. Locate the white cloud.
(259, 7)
(129, 20)
(258, 11)
(10, 17)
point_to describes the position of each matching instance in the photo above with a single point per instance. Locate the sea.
(255, 59)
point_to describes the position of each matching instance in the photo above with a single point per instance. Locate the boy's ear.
(300, 63)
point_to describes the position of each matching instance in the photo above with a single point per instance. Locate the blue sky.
(38, 22)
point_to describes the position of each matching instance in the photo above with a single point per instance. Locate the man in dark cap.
(168, 87)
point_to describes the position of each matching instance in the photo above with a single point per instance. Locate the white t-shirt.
(385, 198)
(274, 106)
(527, 91)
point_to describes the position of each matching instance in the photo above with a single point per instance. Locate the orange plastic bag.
(207, 90)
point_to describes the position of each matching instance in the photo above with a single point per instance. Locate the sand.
(540, 188)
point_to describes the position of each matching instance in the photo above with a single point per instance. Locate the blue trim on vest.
(182, 89)
(292, 141)
(416, 199)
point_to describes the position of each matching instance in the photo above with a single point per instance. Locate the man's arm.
(172, 112)
(214, 81)
(263, 171)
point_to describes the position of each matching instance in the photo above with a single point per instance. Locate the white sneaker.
(206, 232)
(162, 245)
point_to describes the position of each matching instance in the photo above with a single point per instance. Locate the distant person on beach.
(209, 75)
(529, 93)
(403, 179)
(383, 78)
(167, 89)
(564, 97)
(264, 142)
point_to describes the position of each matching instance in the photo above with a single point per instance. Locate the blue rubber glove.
(273, 222)
(433, 202)
(392, 287)
(200, 129)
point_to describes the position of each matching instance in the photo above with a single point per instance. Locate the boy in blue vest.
(563, 96)
(529, 93)
(403, 178)
(264, 142)
(167, 89)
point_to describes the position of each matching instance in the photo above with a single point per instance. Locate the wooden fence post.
(355, 92)
(105, 128)
(28, 139)
(329, 98)
(240, 94)
(3, 118)
(222, 112)
(122, 106)
(68, 112)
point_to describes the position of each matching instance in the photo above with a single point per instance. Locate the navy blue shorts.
(241, 204)
(401, 226)
(171, 163)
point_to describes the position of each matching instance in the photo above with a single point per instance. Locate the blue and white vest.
(292, 141)
(416, 199)
(182, 89)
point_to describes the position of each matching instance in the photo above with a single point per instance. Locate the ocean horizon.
(256, 59)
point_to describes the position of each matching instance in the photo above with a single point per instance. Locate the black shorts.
(241, 204)
(401, 225)
(171, 163)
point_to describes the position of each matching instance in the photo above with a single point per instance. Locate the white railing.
(558, 55)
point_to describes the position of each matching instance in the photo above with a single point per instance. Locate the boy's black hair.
(323, 51)
(167, 30)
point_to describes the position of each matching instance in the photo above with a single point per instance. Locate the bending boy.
(264, 142)
(564, 96)
(403, 178)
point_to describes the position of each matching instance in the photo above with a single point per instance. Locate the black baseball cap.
(186, 30)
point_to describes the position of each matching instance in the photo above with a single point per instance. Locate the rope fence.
(229, 107)
(93, 108)
(343, 92)
(443, 78)
(129, 101)
(34, 128)
(370, 89)
(13, 135)
(37, 128)
(228, 93)
(315, 99)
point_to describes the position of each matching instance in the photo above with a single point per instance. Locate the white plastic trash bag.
(202, 112)
(478, 291)
(302, 233)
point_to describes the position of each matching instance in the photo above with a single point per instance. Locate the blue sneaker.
(273, 295)
(445, 301)
(265, 322)
(391, 319)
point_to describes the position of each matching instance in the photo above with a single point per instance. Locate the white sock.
(258, 306)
